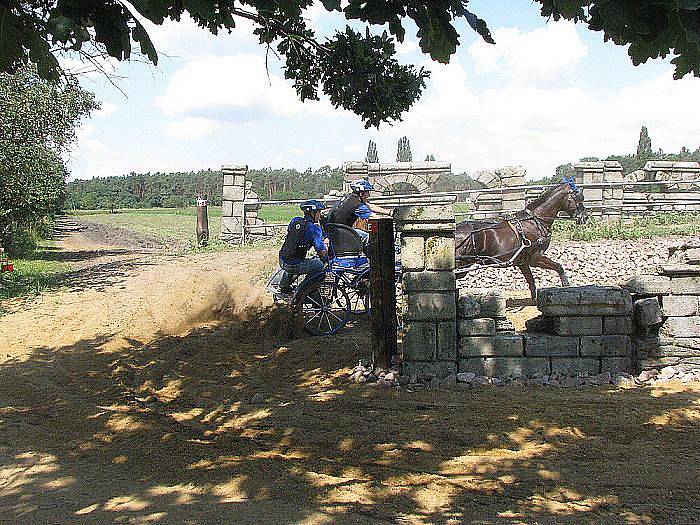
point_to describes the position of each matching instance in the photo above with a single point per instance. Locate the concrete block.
(686, 342)
(687, 327)
(649, 285)
(574, 365)
(550, 345)
(420, 342)
(440, 253)
(685, 285)
(672, 351)
(428, 281)
(680, 305)
(658, 362)
(585, 301)
(228, 179)
(470, 327)
(409, 214)
(227, 209)
(616, 364)
(426, 228)
(231, 225)
(239, 180)
(498, 345)
(541, 324)
(504, 325)
(439, 369)
(618, 325)
(647, 312)
(562, 325)
(504, 367)
(447, 341)
(468, 307)
(412, 253)
(430, 306)
(233, 193)
(235, 168)
(491, 300)
(606, 345)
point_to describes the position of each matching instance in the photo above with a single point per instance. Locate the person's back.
(303, 233)
(344, 211)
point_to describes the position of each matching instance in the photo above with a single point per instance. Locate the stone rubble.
(599, 262)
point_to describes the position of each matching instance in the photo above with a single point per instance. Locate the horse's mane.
(543, 197)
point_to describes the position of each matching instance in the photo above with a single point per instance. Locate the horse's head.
(573, 202)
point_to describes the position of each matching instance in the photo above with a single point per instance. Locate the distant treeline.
(178, 190)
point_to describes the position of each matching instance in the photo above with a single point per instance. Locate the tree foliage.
(178, 189)
(372, 154)
(403, 150)
(651, 28)
(644, 147)
(38, 120)
(358, 71)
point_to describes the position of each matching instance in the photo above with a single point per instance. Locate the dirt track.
(127, 398)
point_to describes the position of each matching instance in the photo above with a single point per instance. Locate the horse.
(520, 240)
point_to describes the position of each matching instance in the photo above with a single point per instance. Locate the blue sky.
(547, 93)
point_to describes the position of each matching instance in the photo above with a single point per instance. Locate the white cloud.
(237, 87)
(541, 55)
(190, 128)
(106, 109)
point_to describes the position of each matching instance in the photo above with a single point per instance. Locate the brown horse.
(521, 240)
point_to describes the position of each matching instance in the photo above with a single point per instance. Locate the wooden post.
(202, 221)
(382, 259)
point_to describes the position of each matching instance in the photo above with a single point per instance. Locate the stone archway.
(385, 177)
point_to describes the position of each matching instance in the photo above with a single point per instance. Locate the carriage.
(327, 300)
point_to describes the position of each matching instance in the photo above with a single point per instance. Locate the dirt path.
(130, 397)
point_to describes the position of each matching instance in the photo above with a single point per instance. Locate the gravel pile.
(600, 262)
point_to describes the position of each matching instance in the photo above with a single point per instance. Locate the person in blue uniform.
(355, 208)
(303, 233)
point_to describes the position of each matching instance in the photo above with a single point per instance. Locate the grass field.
(32, 276)
(171, 225)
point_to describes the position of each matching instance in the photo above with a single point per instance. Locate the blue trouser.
(364, 236)
(307, 266)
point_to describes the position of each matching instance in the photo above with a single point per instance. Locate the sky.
(546, 94)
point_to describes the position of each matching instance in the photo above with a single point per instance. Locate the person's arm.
(319, 244)
(378, 209)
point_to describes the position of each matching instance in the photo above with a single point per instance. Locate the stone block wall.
(667, 316)
(232, 207)
(506, 177)
(596, 173)
(430, 309)
(582, 331)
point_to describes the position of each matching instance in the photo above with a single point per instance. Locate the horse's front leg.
(548, 264)
(527, 273)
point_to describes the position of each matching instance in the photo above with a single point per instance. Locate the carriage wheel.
(324, 307)
(359, 297)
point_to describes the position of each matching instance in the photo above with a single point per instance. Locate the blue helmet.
(361, 185)
(312, 205)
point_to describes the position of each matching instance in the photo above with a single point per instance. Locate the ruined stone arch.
(385, 176)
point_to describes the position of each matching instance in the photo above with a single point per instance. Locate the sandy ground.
(127, 398)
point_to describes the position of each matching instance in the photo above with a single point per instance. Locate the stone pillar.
(591, 173)
(512, 176)
(613, 196)
(597, 173)
(430, 317)
(232, 208)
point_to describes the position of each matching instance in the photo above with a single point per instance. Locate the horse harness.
(515, 223)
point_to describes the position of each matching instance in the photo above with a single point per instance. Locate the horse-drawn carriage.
(326, 300)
